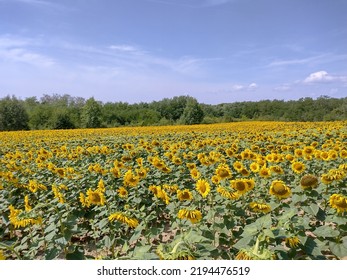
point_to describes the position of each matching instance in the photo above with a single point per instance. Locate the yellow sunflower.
(292, 242)
(192, 215)
(95, 197)
(309, 181)
(223, 172)
(184, 195)
(298, 167)
(338, 202)
(260, 207)
(122, 192)
(203, 187)
(279, 189)
(124, 219)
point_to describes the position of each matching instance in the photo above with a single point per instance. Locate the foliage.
(12, 114)
(64, 111)
(218, 191)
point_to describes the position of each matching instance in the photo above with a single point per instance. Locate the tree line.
(68, 112)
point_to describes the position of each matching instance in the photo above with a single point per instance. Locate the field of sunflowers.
(243, 190)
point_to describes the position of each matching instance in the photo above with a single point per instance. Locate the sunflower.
(2, 256)
(260, 207)
(264, 172)
(292, 242)
(122, 192)
(192, 215)
(254, 167)
(326, 179)
(279, 189)
(298, 167)
(141, 172)
(195, 174)
(227, 193)
(309, 181)
(26, 204)
(95, 197)
(339, 202)
(124, 219)
(184, 195)
(130, 179)
(244, 172)
(237, 166)
(223, 172)
(215, 179)
(240, 185)
(276, 169)
(203, 187)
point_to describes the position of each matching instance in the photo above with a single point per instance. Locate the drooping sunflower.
(184, 195)
(298, 167)
(124, 219)
(260, 207)
(338, 202)
(292, 242)
(279, 189)
(309, 181)
(203, 187)
(192, 215)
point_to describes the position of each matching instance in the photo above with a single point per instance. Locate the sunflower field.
(245, 190)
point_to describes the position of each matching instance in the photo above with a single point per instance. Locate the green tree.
(91, 114)
(192, 113)
(13, 115)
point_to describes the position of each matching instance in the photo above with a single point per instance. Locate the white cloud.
(252, 86)
(23, 55)
(18, 50)
(323, 76)
(124, 48)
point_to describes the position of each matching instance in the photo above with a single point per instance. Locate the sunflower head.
(339, 202)
(203, 187)
(279, 189)
(298, 167)
(309, 181)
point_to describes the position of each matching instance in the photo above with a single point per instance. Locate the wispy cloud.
(39, 3)
(210, 3)
(317, 59)
(18, 50)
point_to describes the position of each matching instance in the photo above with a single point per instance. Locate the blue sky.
(144, 50)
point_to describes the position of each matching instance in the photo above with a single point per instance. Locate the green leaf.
(263, 222)
(326, 231)
(250, 230)
(243, 242)
(78, 254)
(312, 209)
(339, 249)
(52, 253)
(136, 234)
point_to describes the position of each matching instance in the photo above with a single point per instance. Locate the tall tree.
(91, 113)
(13, 115)
(192, 113)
